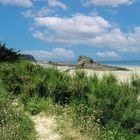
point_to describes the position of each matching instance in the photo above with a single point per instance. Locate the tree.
(8, 54)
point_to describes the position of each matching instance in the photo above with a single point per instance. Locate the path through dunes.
(45, 127)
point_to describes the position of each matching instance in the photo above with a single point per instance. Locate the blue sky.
(64, 29)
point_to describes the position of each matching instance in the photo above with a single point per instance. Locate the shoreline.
(121, 75)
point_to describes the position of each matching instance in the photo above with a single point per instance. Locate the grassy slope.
(14, 124)
(96, 108)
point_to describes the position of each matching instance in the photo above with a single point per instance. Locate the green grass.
(14, 124)
(100, 108)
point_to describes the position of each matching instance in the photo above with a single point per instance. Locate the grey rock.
(84, 62)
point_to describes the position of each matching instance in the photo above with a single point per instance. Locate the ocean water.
(112, 63)
(121, 63)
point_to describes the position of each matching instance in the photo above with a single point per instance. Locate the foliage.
(7, 54)
(96, 107)
(14, 124)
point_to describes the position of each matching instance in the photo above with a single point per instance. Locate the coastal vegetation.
(85, 107)
(7, 54)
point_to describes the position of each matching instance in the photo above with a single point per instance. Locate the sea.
(133, 63)
(130, 63)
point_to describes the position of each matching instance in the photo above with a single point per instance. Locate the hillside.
(84, 107)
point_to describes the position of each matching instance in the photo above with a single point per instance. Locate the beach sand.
(121, 75)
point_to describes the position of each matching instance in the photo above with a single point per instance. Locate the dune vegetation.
(85, 107)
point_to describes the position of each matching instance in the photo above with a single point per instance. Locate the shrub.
(103, 103)
(14, 124)
(7, 54)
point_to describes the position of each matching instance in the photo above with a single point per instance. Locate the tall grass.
(100, 108)
(14, 124)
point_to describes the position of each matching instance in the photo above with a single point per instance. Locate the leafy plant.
(7, 54)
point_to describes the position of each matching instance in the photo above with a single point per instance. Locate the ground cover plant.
(104, 108)
(14, 123)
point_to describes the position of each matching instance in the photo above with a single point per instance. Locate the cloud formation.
(113, 3)
(44, 11)
(56, 53)
(108, 55)
(22, 3)
(86, 30)
(57, 3)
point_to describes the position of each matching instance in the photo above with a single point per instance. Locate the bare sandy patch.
(45, 127)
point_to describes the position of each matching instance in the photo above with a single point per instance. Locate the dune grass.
(14, 123)
(86, 107)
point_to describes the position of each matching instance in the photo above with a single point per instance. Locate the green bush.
(103, 103)
(7, 54)
(14, 124)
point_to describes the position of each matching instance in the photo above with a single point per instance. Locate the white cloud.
(57, 3)
(75, 29)
(108, 55)
(43, 11)
(40, 13)
(56, 53)
(86, 30)
(23, 3)
(113, 3)
(28, 14)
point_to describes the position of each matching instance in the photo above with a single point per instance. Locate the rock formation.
(88, 63)
(84, 62)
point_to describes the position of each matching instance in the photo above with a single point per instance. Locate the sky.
(61, 30)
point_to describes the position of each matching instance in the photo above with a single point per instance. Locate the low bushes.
(102, 104)
(14, 124)
(7, 54)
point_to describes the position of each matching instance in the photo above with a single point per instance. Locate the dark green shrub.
(57, 86)
(14, 124)
(7, 54)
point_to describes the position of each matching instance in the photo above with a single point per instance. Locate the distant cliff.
(27, 57)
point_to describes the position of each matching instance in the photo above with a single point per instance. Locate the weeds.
(97, 108)
(14, 124)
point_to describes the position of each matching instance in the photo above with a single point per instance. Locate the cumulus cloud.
(88, 25)
(86, 30)
(57, 3)
(56, 53)
(44, 11)
(28, 14)
(108, 55)
(23, 3)
(113, 3)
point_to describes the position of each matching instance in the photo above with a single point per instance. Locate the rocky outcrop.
(88, 63)
(27, 57)
(84, 62)
(60, 64)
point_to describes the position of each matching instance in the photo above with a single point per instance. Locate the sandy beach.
(121, 75)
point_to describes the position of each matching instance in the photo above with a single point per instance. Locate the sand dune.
(121, 75)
